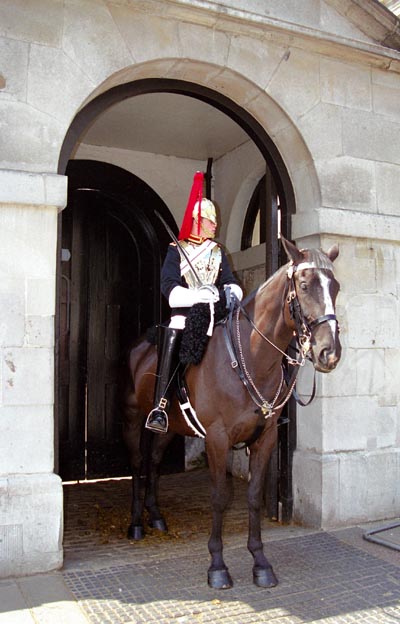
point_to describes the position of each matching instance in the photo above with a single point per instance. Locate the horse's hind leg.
(218, 574)
(157, 448)
(263, 574)
(132, 435)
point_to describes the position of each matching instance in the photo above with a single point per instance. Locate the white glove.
(207, 294)
(181, 297)
(235, 290)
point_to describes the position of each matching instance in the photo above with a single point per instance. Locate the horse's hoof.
(220, 579)
(264, 577)
(136, 532)
(159, 524)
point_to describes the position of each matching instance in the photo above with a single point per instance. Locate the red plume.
(196, 194)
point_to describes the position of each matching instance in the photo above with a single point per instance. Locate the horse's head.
(311, 300)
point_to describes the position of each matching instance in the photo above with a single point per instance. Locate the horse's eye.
(303, 285)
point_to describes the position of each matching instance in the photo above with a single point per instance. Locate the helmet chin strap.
(208, 233)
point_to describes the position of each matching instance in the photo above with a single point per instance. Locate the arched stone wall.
(328, 103)
(285, 140)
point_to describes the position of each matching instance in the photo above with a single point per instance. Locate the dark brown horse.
(299, 298)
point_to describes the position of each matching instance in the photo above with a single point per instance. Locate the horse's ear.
(333, 252)
(292, 252)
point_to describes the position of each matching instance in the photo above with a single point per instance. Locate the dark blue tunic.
(171, 274)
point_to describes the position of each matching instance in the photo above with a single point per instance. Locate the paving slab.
(334, 577)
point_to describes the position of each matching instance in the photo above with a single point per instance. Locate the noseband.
(304, 328)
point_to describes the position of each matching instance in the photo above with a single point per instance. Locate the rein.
(232, 338)
(303, 336)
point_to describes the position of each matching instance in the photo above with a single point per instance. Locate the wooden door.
(101, 307)
(109, 294)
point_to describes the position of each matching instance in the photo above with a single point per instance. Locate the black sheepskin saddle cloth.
(194, 338)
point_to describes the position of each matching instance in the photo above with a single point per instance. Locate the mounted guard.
(249, 392)
(195, 270)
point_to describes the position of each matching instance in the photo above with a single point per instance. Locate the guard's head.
(206, 210)
(198, 210)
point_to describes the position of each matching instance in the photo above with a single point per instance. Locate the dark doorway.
(277, 183)
(111, 255)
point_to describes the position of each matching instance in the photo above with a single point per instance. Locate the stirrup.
(155, 425)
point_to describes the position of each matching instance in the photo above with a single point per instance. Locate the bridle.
(303, 333)
(304, 327)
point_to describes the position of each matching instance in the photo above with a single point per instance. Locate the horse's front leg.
(263, 574)
(158, 445)
(135, 529)
(218, 574)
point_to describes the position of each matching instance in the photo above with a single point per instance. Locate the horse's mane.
(260, 288)
(315, 257)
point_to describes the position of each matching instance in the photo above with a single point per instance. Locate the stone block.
(306, 13)
(93, 40)
(195, 456)
(295, 84)
(14, 68)
(40, 297)
(253, 278)
(204, 74)
(331, 21)
(289, 141)
(26, 439)
(373, 321)
(40, 22)
(388, 188)
(267, 112)
(348, 183)
(309, 426)
(255, 59)
(12, 311)
(386, 99)
(39, 331)
(30, 524)
(391, 394)
(27, 376)
(345, 488)
(332, 221)
(315, 489)
(361, 372)
(366, 425)
(321, 128)
(37, 148)
(239, 464)
(51, 72)
(344, 84)
(307, 188)
(146, 36)
(28, 237)
(211, 46)
(342, 382)
(33, 189)
(369, 486)
(370, 136)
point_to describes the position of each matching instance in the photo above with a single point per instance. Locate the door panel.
(99, 319)
(110, 291)
(71, 415)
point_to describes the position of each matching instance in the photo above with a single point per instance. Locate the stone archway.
(223, 103)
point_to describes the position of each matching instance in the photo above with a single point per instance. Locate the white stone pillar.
(347, 461)
(31, 512)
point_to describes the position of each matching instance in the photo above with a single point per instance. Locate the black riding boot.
(157, 420)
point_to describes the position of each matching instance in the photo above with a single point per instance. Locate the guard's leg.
(157, 420)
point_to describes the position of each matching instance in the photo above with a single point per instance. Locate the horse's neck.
(268, 316)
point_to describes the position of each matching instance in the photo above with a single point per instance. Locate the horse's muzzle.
(327, 360)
